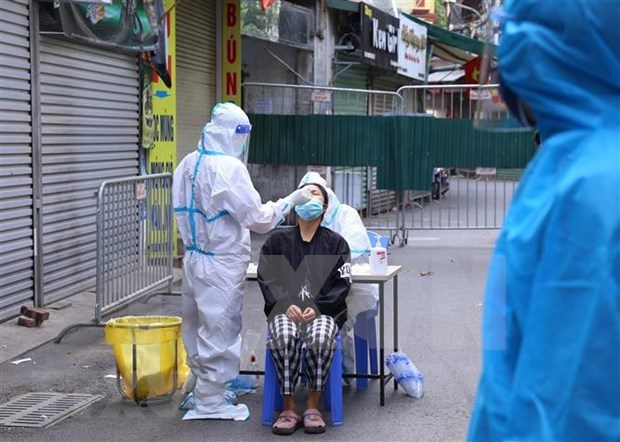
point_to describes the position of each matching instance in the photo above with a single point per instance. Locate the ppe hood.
(563, 61)
(228, 132)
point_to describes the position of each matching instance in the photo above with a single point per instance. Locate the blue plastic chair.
(332, 396)
(365, 330)
(365, 338)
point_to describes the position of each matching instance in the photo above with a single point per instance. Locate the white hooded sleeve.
(234, 192)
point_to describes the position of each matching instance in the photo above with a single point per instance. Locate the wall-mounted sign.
(231, 51)
(263, 106)
(412, 49)
(321, 96)
(379, 38)
(486, 171)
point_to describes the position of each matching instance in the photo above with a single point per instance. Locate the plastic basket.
(148, 352)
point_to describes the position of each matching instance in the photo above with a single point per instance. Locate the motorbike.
(440, 182)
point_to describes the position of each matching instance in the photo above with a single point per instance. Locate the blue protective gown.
(551, 346)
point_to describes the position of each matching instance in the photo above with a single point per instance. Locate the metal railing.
(389, 217)
(135, 242)
(134, 239)
(474, 201)
(293, 99)
(453, 101)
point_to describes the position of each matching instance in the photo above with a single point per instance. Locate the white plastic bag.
(249, 350)
(406, 374)
(245, 383)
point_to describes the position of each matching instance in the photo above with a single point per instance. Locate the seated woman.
(305, 275)
(344, 220)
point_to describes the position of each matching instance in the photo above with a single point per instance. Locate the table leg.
(381, 344)
(395, 294)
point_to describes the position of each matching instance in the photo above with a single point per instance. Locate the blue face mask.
(311, 210)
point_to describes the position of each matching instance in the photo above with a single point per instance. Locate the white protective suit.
(346, 221)
(216, 206)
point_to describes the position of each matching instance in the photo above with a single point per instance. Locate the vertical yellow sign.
(159, 136)
(231, 51)
(163, 155)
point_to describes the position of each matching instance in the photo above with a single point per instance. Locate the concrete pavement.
(439, 327)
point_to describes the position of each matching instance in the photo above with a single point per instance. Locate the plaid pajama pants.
(286, 341)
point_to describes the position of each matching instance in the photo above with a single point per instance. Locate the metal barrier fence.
(389, 218)
(458, 101)
(292, 99)
(135, 245)
(474, 201)
(134, 239)
(454, 101)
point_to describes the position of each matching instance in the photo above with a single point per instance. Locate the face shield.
(242, 133)
(497, 107)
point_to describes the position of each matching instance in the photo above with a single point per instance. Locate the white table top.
(360, 274)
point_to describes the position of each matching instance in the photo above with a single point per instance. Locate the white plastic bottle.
(378, 259)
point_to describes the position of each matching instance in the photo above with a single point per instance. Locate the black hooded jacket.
(313, 274)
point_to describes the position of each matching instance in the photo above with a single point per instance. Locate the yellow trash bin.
(149, 353)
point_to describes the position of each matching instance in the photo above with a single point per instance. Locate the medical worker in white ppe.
(216, 206)
(345, 220)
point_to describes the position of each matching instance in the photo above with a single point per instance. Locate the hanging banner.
(472, 71)
(412, 42)
(231, 51)
(379, 38)
(123, 25)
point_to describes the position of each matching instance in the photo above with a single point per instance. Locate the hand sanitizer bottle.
(378, 259)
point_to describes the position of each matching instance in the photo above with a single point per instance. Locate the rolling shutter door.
(89, 134)
(195, 49)
(380, 200)
(354, 76)
(16, 218)
(386, 104)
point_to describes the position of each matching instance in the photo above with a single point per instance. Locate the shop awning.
(448, 39)
(445, 76)
(450, 53)
(343, 5)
